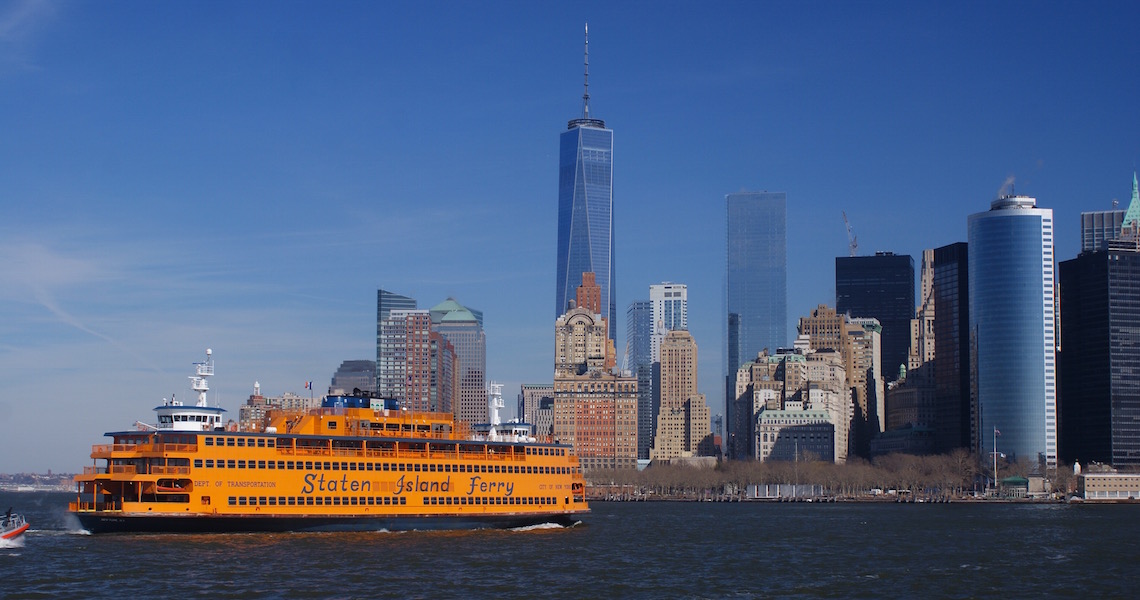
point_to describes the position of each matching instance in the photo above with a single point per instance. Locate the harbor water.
(621, 550)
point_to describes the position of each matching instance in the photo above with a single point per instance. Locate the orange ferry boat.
(356, 463)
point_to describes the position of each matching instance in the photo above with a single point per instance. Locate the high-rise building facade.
(647, 323)
(922, 325)
(954, 413)
(415, 364)
(386, 302)
(638, 336)
(533, 398)
(683, 426)
(1097, 227)
(354, 374)
(858, 342)
(1100, 356)
(1013, 329)
(595, 408)
(757, 280)
(459, 326)
(670, 312)
(585, 210)
(880, 287)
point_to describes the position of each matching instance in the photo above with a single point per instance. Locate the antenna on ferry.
(198, 381)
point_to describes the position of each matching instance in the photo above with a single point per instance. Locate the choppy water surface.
(639, 550)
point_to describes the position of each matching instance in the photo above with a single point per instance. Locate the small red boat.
(13, 526)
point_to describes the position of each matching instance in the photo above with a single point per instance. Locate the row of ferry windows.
(269, 443)
(385, 500)
(241, 442)
(316, 501)
(462, 500)
(309, 465)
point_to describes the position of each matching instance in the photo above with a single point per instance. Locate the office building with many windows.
(585, 211)
(756, 314)
(638, 336)
(1013, 329)
(880, 287)
(464, 330)
(1100, 357)
(954, 414)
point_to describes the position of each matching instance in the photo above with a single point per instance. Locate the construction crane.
(852, 243)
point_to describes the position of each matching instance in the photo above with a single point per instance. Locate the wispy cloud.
(20, 21)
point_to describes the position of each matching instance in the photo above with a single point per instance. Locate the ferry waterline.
(355, 463)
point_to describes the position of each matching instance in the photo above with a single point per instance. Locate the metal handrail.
(169, 470)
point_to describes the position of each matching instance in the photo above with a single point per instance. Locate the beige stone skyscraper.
(858, 342)
(683, 428)
(595, 408)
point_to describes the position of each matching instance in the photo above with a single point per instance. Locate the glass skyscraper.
(585, 210)
(585, 214)
(1100, 362)
(1100, 359)
(952, 408)
(1012, 329)
(638, 334)
(879, 287)
(757, 281)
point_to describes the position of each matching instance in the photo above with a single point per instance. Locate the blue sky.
(243, 176)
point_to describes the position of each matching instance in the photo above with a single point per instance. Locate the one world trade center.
(585, 208)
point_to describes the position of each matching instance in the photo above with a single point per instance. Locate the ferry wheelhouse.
(355, 463)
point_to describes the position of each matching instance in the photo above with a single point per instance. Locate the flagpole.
(995, 460)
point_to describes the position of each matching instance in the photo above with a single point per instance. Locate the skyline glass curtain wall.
(952, 409)
(756, 279)
(1100, 359)
(879, 287)
(639, 330)
(1012, 329)
(585, 215)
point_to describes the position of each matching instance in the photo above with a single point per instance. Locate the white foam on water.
(538, 527)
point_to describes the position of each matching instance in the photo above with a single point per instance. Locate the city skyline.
(180, 184)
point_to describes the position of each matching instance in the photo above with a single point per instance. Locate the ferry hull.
(102, 523)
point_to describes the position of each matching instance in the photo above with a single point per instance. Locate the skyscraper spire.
(586, 76)
(1132, 217)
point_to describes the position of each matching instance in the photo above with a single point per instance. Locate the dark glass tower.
(585, 210)
(952, 407)
(879, 287)
(1100, 358)
(756, 314)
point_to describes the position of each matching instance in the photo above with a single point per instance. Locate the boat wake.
(16, 543)
(539, 527)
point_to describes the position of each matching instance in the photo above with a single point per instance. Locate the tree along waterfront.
(958, 474)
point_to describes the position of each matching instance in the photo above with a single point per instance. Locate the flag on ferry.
(308, 385)
(996, 431)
